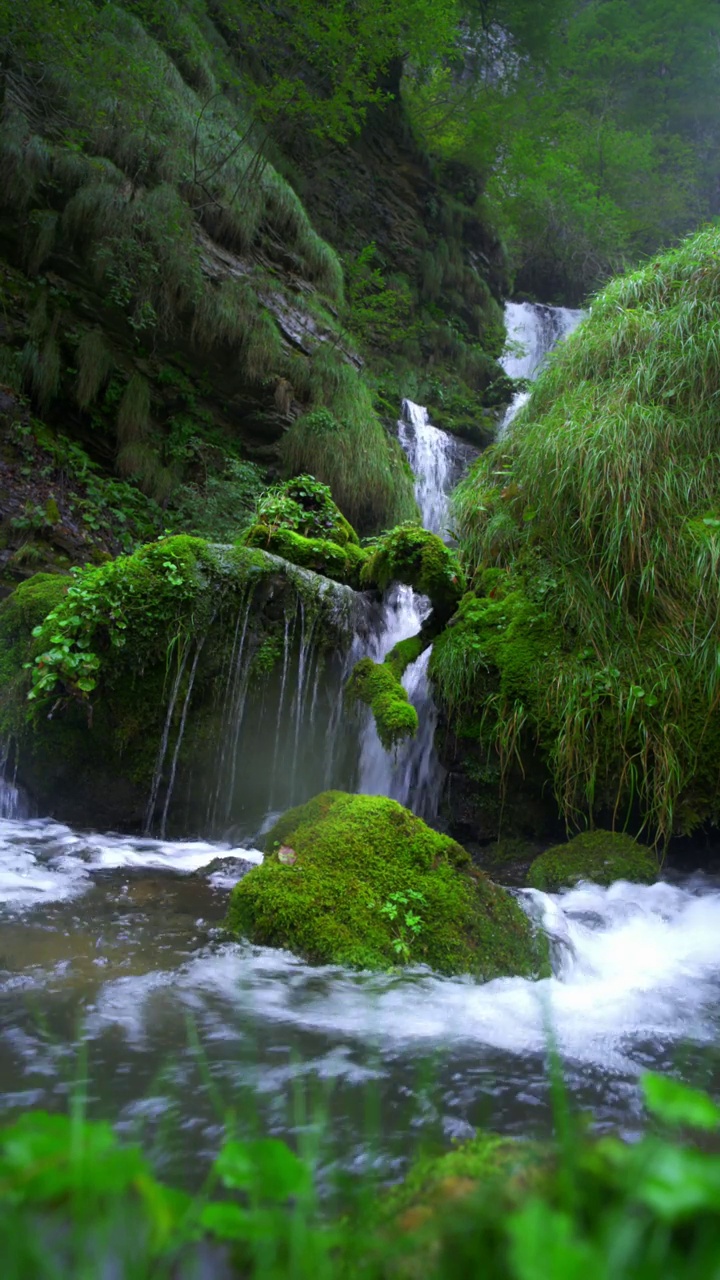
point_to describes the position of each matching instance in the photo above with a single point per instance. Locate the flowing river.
(116, 978)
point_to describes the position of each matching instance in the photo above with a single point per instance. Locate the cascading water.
(533, 329)
(413, 774)
(434, 458)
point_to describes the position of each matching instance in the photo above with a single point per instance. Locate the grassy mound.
(360, 881)
(600, 856)
(602, 506)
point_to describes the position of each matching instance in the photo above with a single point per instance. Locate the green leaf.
(678, 1104)
(266, 1167)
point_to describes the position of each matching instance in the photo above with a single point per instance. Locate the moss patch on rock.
(600, 856)
(376, 684)
(341, 563)
(299, 521)
(419, 559)
(23, 611)
(337, 866)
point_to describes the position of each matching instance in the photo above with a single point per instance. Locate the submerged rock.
(371, 886)
(437, 1185)
(600, 856)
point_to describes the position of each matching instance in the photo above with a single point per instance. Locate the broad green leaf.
(677, 1103)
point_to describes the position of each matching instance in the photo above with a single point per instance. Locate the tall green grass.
(603, 502)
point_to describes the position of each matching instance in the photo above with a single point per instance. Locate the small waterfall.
(431, 455)
(534, 329)
(14, 805)
(413, 774)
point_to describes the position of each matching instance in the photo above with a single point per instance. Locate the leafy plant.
(401, 910)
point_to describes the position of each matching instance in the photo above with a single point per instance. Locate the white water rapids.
(115, 941)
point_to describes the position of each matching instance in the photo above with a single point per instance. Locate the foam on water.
(634, 964)
(44, 861)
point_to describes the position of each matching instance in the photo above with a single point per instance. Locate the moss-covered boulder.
(360, 881)
(419, 559)
(122, 682)
(600, 856)
(299, 521)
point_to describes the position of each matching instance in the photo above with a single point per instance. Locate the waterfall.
(431, 455)
(413, 774)
(13, 802)
(533, 329)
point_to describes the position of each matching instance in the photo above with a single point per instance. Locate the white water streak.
(533, 330)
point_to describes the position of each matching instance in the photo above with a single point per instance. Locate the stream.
(116, 978)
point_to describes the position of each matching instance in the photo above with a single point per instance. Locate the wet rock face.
(165, 661)
(479, 806)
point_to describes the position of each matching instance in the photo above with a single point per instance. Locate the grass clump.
(593, 502)
(360, 881)
(600, 856)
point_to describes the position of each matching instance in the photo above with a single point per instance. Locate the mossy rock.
(600, 856)
(101, 672)
(437, 1185)
(419, 559)
(23, 610)
(341, 562)
(376, 684)
(335, 868)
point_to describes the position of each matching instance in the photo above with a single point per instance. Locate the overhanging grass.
(349, 450)
(604, 503)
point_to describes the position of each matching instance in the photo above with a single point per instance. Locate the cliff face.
(174, 308)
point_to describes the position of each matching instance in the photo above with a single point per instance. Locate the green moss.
(435, 1184)
(404, 654)
(376, 684)
(341, 563)
(600, 856)
(24, 610)
(496, 645)
(349, 855)
(418, 558)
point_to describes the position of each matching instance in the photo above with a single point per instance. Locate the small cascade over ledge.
(533, 329)
(413, 774)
